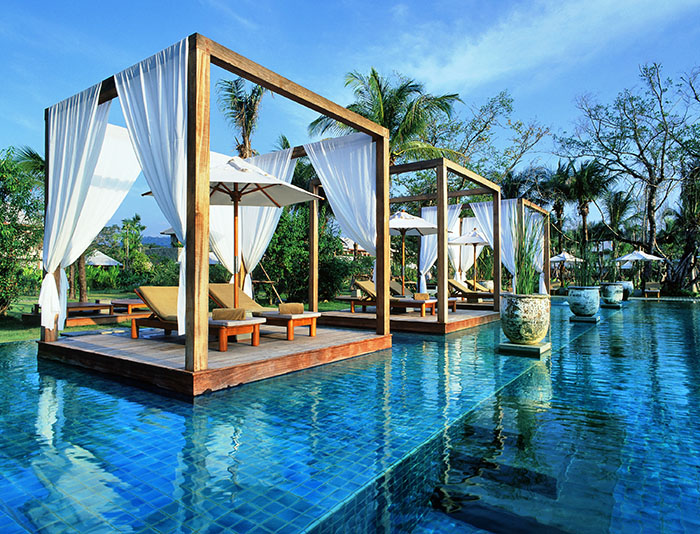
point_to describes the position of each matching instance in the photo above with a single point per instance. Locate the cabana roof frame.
(202, 53)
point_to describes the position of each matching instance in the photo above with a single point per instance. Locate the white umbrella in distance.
(565, 257)
(474, 238)
(238, 182)
(638, 255)
(403, 224)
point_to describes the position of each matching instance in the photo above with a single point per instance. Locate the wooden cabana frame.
(204, 52)
(546, 252)
(483, 187)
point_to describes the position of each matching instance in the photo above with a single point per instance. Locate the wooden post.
(197, 255)
(547, 252)
(383, 249)
(497, 251)
(313, 252)
(442, 243)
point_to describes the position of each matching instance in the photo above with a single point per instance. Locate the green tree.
(131, 235)
(21, 228)
(401, 105)
(241, 108)
(587, 183)
(555, 189)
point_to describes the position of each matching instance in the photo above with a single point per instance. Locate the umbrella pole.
(403, 262)
(235, 250)
(474, 267)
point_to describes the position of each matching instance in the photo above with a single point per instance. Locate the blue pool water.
(439, 434)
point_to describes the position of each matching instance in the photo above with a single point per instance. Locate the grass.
(13, 329)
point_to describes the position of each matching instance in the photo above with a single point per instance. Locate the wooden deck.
(411, 321)
(157, 361)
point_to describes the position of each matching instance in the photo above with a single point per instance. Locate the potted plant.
(525, 313)
(584, 297)
(612, 293)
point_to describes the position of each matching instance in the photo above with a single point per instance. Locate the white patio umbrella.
(100, 259)
(403, 224)
(238, 182)
(565, 257)
(474, 238)
(627, 265)
(638, 255)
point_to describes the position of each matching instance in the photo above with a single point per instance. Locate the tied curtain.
(428, 243)
(535, 222)
(462, 257)
(77, 128)
(153, 95)
(346, 167)
(257, 224)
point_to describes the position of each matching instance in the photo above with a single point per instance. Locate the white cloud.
(231, 13)
(545, 34)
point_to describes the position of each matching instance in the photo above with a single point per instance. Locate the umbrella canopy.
(252, 186)
(100, 259)
(238, 182)
(564, 257)
(472, 238)
(403, 224)
(627, 265)
(638, 255)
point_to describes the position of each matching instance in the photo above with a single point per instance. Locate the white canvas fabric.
(535, 221)
(153, 95)
(428, 243)
(346, 167)
(256, 224)
(464, 253)
(77, 129)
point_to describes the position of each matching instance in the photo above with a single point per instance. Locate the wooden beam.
(197, 251)
(471, 175)
(450, 194)
(535, 207)
(442, 244)
(383, 250)
(108, 90)
(313, 252)
(497, 251)
(451, 166)
(244, 67)
(414, 166)
(298, 152)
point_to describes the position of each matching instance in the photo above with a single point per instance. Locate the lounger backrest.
(395, 288)
(223, 294)
(161, 299)
(458, 286)
(367, 287)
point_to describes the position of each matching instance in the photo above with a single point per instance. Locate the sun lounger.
(395, 289)
(162, 301)
(652, 289)
(458, 289)
(370, 299)
(222, 295)
(290, 321)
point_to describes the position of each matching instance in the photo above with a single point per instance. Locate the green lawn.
(13, 329)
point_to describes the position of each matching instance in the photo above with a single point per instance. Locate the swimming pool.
(411, 439)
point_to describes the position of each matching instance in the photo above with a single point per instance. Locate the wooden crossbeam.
(450, 194)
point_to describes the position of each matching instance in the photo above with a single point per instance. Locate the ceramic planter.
(611, 292)
(584, 301)
(525, 318)
(627, 289)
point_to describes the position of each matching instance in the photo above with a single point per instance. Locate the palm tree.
(619, 207)
(587, 183)
(241, 109)
(556, 190)
(404, 108)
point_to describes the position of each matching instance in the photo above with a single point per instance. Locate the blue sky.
(546, 53)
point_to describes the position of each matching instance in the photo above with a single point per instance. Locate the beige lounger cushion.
(161, 300)
(287, 315)
(395, 288)
(291, 308)
(421, 296)
(228, 314)
(222, 322)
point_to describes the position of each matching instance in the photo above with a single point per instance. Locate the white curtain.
(257, 224)
(76, 133)
(483, 212)
(536, 221)
(464, 253)
(346, 167)
(153, 96)
(428, 243)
